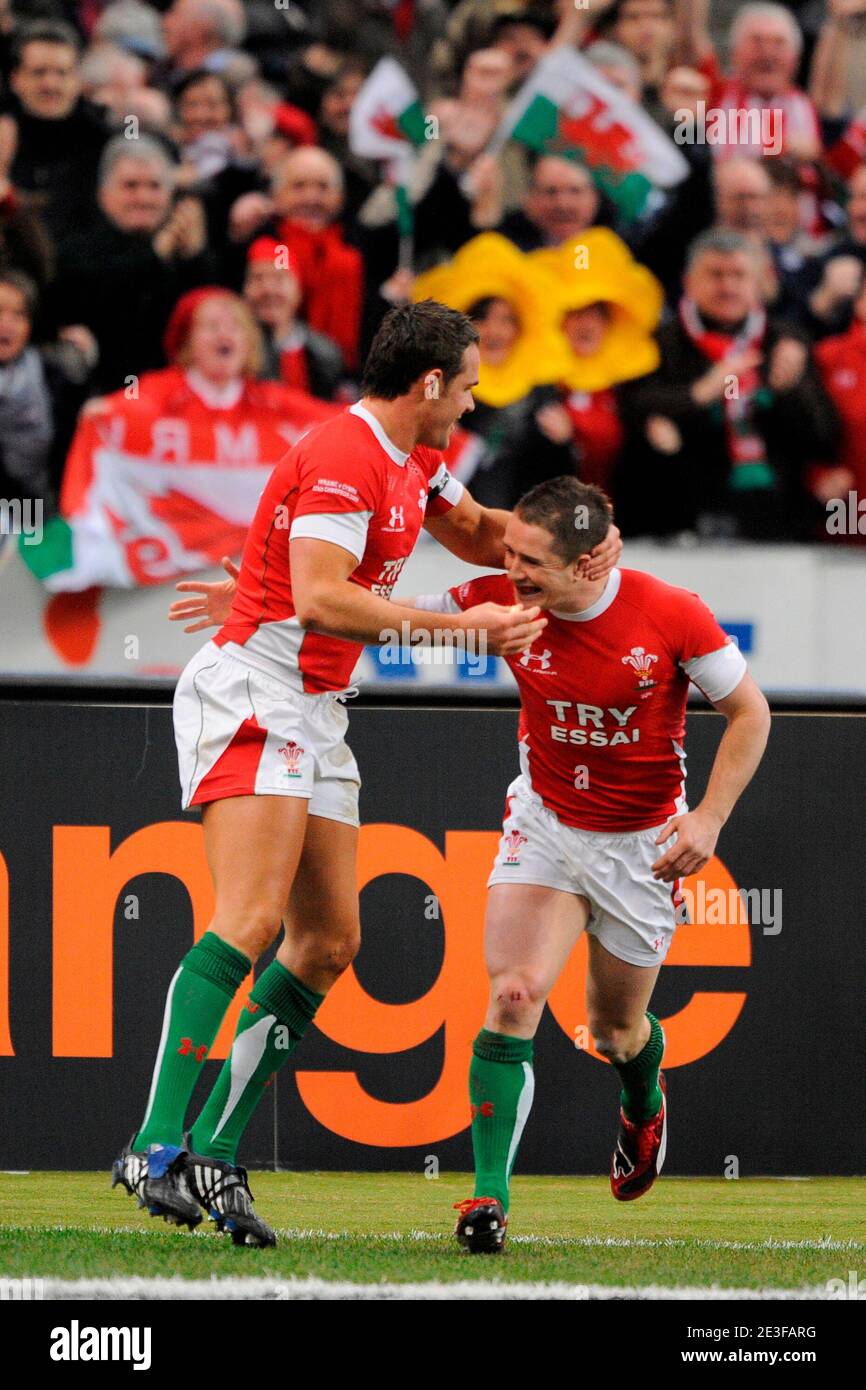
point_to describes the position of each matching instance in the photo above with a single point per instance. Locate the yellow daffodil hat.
(597, 266)
(491, 265)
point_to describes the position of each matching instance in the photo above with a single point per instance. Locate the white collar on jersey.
(390, 449)
(216, 397)
(601, 605)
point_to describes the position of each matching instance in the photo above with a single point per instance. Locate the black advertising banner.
(103, 882)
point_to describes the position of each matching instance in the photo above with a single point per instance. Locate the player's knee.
(251, 931)
(613, 1038)
(332, 952)
(517, 995)
(342, 949)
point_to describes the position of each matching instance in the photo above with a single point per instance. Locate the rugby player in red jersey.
(597, 834)
(260, 731)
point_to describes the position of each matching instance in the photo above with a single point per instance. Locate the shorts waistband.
(231, 652)
(528, 796)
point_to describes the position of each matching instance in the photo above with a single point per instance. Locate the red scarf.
(293, 367)
(403, 19)
(745, 443)
(332, 279)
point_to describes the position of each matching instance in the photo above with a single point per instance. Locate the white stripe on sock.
(166, 1019)
(524, 1105)
(247, 1051)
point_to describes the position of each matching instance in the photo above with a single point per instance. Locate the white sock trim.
(248, 1049)
(524, 1105)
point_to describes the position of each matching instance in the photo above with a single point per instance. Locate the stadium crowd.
(700, 351)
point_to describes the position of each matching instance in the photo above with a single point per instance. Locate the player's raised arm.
(475, 534)
(325, 601)
(736, 761)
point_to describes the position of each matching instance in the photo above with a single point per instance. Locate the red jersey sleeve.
(338, 492)
(709, 657)
(489, 588)
(335, 481)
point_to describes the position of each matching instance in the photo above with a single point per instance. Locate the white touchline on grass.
(433, 1290)
(552, 1242)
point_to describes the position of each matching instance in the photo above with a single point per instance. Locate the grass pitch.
(366, 1228)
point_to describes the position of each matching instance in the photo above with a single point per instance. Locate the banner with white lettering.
(165, 484)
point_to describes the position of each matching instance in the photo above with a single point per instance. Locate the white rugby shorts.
(241, 732)
(632, 914)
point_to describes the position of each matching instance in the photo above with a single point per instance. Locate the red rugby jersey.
(347, 483)
(603, 697)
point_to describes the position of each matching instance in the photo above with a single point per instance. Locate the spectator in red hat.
(214, 348)
(293, 352)
(294, 125)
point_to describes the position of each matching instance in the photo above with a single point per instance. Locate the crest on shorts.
(513, 841)
(291, 753)
(642, 661)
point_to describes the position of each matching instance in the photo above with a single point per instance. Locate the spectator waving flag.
(388, 122)
(163, 486)
(567, 108)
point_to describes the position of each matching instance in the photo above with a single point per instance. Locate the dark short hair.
(411, 340)
(199, 75)
(533, 18)
(611, 16)
(43, 31)
(719, 241)
(25, 287)
(576, 514)
(784, 173)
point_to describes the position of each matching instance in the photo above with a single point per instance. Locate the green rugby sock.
(198, 998)
(501, 1087)
(279, 1012)
(641, 1095)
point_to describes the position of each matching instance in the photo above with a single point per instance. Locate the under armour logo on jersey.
(395, 520)
(537, 661)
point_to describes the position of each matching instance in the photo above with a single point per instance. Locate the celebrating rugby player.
(597, 834)
(260, 728)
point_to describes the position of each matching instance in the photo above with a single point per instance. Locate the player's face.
(444, 405)
(534, 566)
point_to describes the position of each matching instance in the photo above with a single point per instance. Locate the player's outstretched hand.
(697, 833)
(605, 556)
(214, 605)
(508, 630)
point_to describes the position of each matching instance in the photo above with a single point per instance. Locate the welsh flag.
(162, 487)
(387, 122)
(567, 108)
